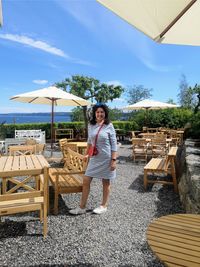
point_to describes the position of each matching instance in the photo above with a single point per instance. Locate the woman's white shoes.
(100, 210)
(77, 211)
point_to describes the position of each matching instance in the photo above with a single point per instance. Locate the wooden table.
(35, 197)
(175, 239)
(80, 145)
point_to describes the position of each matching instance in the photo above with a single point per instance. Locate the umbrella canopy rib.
(176, 19)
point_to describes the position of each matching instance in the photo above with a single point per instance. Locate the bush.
(194, 132)
(170, 118)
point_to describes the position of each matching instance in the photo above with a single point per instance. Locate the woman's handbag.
(93, 149)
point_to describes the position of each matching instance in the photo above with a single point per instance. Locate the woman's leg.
(106, 192)
(86, 190)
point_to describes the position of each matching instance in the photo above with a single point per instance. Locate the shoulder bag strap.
(98, 134)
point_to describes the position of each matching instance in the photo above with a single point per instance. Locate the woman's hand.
(113, 165)
(86, 158)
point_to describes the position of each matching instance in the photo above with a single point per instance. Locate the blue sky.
(45, 41)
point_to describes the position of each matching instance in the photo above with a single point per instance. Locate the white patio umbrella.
(149, 104)
(1, 15)
(51, 96)
(165, 21)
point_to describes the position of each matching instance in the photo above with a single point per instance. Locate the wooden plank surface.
(175, 239)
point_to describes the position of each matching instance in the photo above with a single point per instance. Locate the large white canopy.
(149, 104)
(49, 94)
(165, 21)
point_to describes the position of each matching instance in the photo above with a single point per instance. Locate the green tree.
(137, 93)
(77, 114)
(185, 95)
(196, 93)
(90, 89)
(170, 101)
(115, 114)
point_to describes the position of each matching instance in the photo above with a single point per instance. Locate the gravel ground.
(116, 238)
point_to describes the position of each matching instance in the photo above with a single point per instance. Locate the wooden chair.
(175, 239)
(162, 166)
(40, 149)
(68, 179)
(62, 142)
(133, 134)
(158, 146)
(30, 142)
(139, 148)
(22, 150)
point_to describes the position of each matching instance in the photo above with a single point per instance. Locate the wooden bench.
(68, 179)
(175, 239)
(64, 133)
(162, 165)
(38, 135)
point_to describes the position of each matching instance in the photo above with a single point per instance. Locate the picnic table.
(20, 170)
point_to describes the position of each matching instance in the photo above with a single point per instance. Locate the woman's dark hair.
(94, 109)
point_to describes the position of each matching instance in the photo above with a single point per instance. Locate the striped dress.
(99, 165)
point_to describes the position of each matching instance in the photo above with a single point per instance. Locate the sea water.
(11, 118)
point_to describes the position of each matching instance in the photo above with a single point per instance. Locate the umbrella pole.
(52, 126)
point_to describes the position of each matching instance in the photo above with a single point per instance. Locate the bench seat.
(162, 165)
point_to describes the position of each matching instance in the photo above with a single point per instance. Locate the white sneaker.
(100, 210)
(77, 211)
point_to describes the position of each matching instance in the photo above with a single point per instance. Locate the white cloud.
(42, 46)
(34, 43)
(40, 81)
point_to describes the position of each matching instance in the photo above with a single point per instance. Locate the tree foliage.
(196, 93)
(185, 95)
(137, 93)
(77, 114)
(115, 114)
(170, 118)
(90, 89)
(189, 97)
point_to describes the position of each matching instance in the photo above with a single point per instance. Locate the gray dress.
(99, 165)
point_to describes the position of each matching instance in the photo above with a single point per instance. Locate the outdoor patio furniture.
(158, 146)
(68, 179)
(139, 149)
(32, 198)
(30, 142)
(38, 135)
(13, 141)
(175, 239)
(22, 150)
(64, 133)
(162, 166)
(81, 146)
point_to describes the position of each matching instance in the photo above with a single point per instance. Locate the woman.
(103, 165)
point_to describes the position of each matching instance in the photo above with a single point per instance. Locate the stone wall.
(189, 184)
